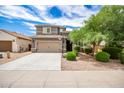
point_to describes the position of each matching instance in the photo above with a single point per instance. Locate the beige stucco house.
(50, 38)
(14, 42)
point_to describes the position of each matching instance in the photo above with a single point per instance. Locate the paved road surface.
(62, 79)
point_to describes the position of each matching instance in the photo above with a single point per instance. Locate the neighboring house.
(14, 42)
(51, 38)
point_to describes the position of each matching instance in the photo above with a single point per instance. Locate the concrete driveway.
(35, 61)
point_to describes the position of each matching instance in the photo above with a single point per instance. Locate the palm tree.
(85, 37)
(95, 38)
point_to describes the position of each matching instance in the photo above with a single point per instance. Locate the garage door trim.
(5, 46)
(48, 47)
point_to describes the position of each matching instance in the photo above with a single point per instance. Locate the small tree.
(74, 36)
(95, 39)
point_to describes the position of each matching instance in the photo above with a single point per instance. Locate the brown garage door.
(49, 46)
(5, 46)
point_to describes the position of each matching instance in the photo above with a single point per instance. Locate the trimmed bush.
(71, 56)
(75, 52)
(88, 50)
(102, 56)
(77, 48)
(113, 51)
(122, 57)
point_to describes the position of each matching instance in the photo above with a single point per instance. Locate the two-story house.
(50, 38)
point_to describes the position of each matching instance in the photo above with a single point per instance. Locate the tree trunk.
(94, 45)
(95, 48)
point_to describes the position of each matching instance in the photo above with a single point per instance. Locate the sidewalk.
(62, 79)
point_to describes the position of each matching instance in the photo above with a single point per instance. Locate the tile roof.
(49, 25)
(16, 34)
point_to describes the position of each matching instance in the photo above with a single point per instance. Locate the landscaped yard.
(102, 36)
(86, 62)
(13, 56)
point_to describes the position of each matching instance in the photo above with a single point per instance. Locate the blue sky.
(23, 18)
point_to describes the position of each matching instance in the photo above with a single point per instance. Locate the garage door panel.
(5, 46)
(49, 46)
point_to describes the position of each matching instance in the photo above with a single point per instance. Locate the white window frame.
(45, 30)
(61, 30)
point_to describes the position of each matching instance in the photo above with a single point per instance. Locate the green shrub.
(115, 44)
(77, 48)
(88, 50)
(102, 56)
(122, 57)
(113, 51)
(71, 56)
(75, 52)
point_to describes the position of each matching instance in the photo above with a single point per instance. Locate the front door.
(68, 45)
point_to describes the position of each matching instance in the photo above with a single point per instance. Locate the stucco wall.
(7, 37)
(16, 42)
(23, 44)
(53, 30)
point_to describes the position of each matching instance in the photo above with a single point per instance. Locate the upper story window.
(61, 30)
(46, 30)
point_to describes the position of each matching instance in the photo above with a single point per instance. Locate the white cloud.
(30, 25)
(33, 32)
(77, 9)
(68, 10)
(17, 12)
(23, 13)
(69, 29)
